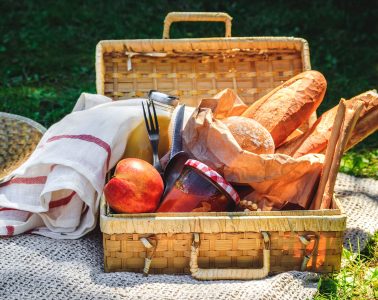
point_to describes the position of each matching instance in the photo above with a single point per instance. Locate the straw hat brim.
(19, 136)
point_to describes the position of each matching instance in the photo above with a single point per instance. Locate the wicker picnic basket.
(230, 245)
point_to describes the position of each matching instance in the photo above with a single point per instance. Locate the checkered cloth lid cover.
(214, 176)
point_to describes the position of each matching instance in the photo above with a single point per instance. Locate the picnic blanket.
(37, 267)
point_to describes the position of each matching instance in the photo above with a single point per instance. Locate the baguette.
(285, 108)
(366, 125)
(315, 140)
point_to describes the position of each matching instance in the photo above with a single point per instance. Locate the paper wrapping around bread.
(315, 140)
(285, 108)
(276, 179)
(229, 104)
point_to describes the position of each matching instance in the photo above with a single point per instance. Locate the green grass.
(50, 44)
(47, 47)
(363, 163)
(47, 59)
(358, 278)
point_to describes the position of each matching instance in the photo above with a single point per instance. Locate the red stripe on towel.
(62, 201)
(6, 208)
(10, 230)
(25, 180)
(87, 138)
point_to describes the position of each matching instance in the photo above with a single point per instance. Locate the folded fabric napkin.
(56, 192)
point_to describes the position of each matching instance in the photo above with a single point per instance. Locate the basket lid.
(198, 68)
(194, 69)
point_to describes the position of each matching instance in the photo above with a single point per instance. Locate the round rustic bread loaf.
(250, 135)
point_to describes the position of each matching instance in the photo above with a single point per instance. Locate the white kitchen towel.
(56, 192)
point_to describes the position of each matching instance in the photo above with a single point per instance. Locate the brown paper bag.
(277, 179)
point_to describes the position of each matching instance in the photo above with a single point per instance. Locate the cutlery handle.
(156, 161)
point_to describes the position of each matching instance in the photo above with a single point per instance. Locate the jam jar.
(199, 189)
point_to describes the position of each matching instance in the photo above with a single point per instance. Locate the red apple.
(135, 188)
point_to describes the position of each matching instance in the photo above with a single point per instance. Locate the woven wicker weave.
(194, 69)
(197, 69)
(226, 240)
(18, 138)
(212, 245)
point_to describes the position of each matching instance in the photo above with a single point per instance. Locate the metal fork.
(152, 127)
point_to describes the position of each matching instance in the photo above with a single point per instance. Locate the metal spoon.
(173, 170)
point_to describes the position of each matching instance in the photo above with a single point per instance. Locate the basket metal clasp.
(306, 240)
(266, 240)
(150, 244)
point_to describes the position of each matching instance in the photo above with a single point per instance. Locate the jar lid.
(214, 176)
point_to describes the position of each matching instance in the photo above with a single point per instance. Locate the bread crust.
(285, 108)
(315, 140)
(250, 135)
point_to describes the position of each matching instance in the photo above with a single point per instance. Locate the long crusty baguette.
(315, 140)
(365, 126)
(286, 107)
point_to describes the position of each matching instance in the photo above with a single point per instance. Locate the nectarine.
(135, 188)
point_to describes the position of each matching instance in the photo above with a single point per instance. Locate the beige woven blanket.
(36, 267)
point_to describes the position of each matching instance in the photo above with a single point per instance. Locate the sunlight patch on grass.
(357, 279)
(361, 163)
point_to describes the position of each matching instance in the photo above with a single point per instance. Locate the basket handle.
(196, 17)
(236, 274)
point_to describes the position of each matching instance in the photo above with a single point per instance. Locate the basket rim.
(210, 222)
(338, 211)
(29, 121)
(140, 46)
(211, 39)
